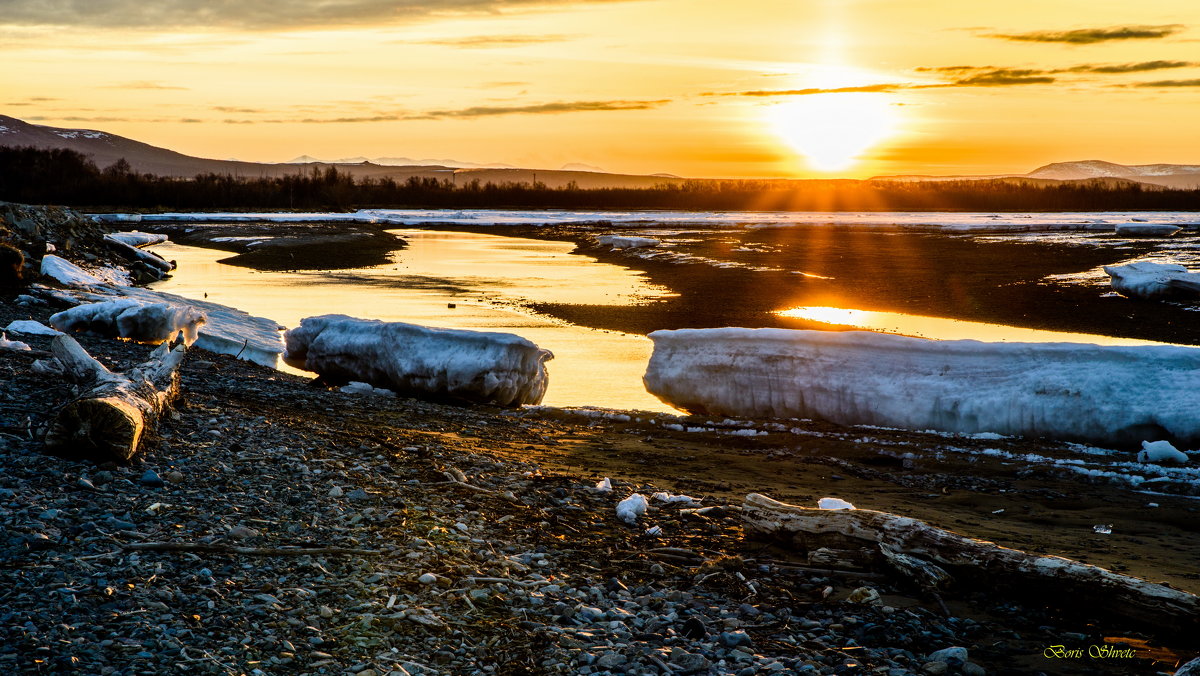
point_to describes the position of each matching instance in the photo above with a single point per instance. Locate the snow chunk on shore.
(29, 327)
(632, 507)
(833, 503)
(66, 272)
(1112, 395)
(15, 345)
(1159, 451)
(486, 367)
(1153, 281)
(137, 239)
(133, 319)
(627, 242)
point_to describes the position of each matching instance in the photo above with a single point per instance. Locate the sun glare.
(832, 131)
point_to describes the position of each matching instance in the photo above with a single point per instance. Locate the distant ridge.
(105, 148)
(1168, 175)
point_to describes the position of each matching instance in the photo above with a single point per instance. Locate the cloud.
(494, 41)
(142, 84)
(1088, 36)
(239, 14)
(471, 112)
(1130, 67)
(1169, 83)
(1004, 77)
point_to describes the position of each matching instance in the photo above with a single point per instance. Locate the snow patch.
(496, 368)
(356, 387)
(632, 507)
(1106, 394)
(66, 272)
(15, 345)
(834, 503)
(1159, 451)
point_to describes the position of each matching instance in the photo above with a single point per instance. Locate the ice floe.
(66, 272)
(1109, 394)
(132, 319)
(137, 239)
(1153, 281)
(627, 241)
(1146, 229)
(488, 367)
(29, 327)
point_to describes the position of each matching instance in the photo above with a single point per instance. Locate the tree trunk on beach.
(935, 558)
(113, 411)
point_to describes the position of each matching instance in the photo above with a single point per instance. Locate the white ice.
(1153, 281)
(669, 498)
(356, 387)
(66, 272)
(833, 503)
(488, 367)
(15, 345)
(1147, 229)
(629, 509)
(29, 327)
(137, 239)
(133, 319)
(1108, 394)
(1160, 451)
(604, 485)
(627, 242)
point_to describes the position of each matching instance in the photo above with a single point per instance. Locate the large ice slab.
(627, 241)
(1113, 395)
(66, 272)
(497, 368)
(1147, 229)
(132, 319)
(137, 239)
(1153, 281)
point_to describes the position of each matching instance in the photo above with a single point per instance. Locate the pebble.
(336, 492)
(427, 578)
(694, 628)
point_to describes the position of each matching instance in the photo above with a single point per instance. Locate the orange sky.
(755, 88)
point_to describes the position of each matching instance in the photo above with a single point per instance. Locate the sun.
(832, 131)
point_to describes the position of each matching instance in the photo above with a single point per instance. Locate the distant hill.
(402, 162)
(105, 148)
(1168, 175)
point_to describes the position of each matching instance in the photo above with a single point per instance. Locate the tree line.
(62, 176)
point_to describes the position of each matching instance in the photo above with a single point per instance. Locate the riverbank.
(531, 570)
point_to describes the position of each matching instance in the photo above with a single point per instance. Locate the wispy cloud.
(495, 41)
(142, 84)
(864, 89)
(470, 112)
(1003, 77)
(1088, 36)
(240, 14)
(1169, 83)
(1130, 67)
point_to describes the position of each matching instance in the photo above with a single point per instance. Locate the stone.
(733, 639)
(427, 578)
(694, 628)
(151, 479)
(972, 669)
(955, 656)
(688, 663)
(935, 668)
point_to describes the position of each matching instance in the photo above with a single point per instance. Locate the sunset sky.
(754, 88)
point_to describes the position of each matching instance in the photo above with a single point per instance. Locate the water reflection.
(484, 277)
(939, 328)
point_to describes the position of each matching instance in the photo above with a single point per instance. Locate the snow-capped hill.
(1175, 175)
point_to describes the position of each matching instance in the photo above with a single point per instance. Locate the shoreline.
(531, 571)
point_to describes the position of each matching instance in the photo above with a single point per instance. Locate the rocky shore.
(276, 526)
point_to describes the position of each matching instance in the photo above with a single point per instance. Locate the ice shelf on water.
(940, 328)
(484, 277)
(1115, 395)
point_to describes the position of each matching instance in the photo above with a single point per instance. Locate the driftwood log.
(113, 411)
(935, 558)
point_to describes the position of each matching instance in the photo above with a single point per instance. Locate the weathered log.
(110, 416)
(132, 253)
(931, 555)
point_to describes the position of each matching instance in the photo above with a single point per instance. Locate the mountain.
(1168, 175)
(105, 148)
(1173, 175)
(403, 162)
